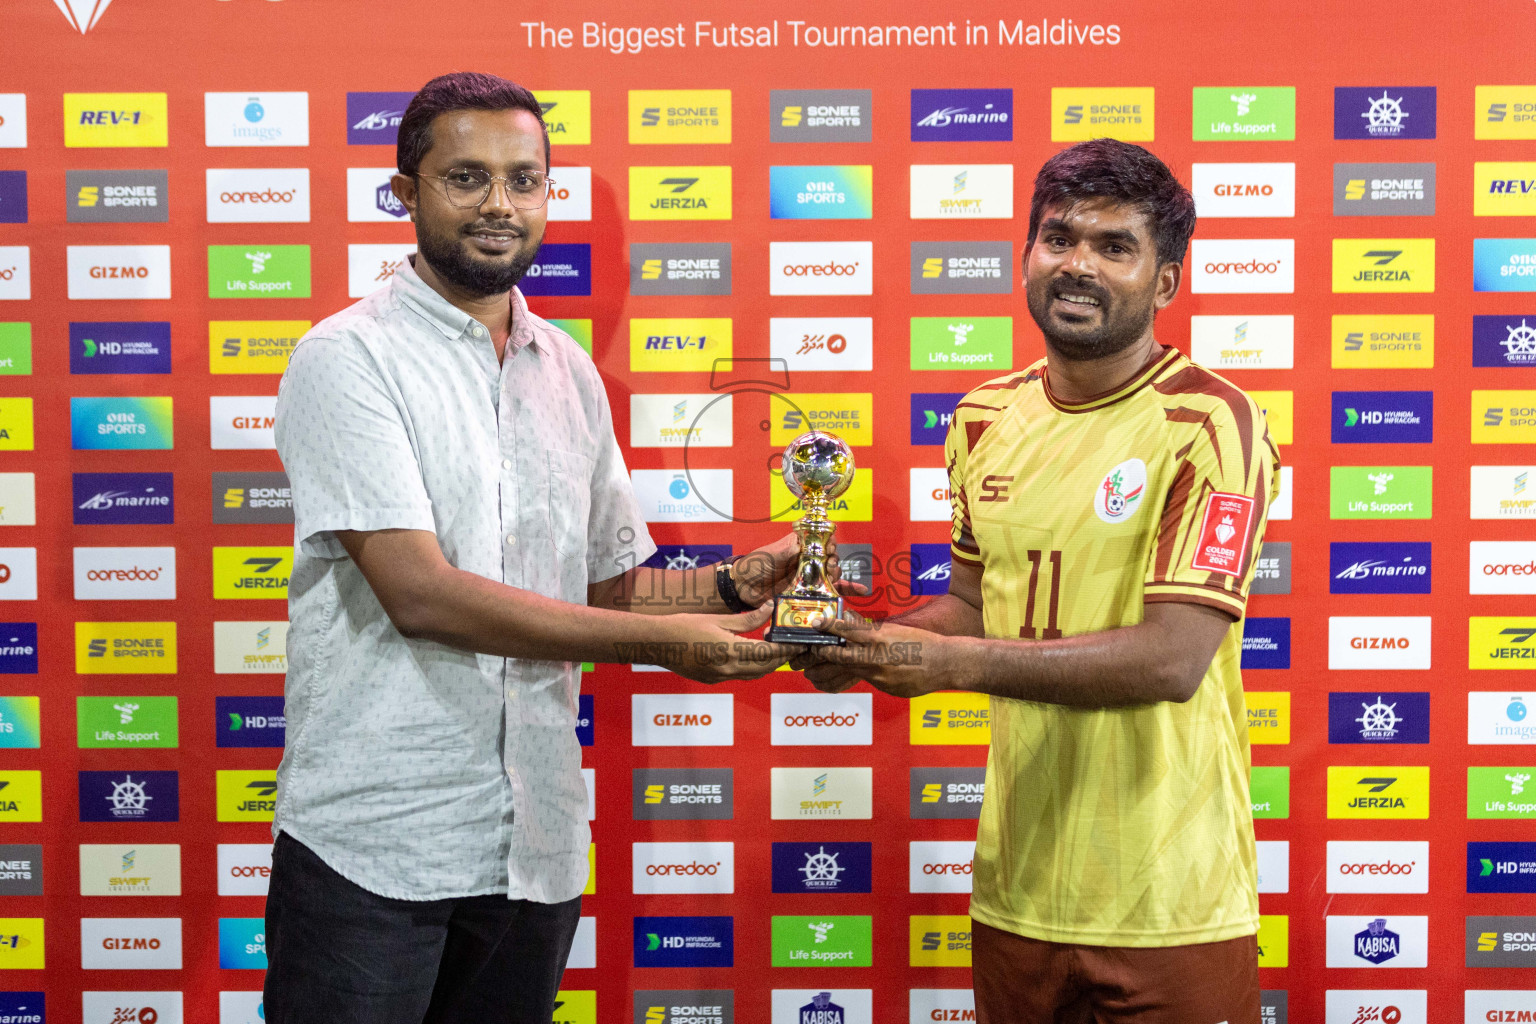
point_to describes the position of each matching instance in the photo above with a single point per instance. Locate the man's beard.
(453, 262)
(1121, 325)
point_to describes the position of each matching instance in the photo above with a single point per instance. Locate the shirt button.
(506, 463)
(477, 331)
(511, 539)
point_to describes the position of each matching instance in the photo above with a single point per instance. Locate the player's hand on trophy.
(711, 649)
(899, 660)
(767, 571)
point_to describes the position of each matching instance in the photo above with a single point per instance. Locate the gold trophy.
(818, 467)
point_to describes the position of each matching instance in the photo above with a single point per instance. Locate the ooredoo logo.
(125, 574)
(274, 195)
(1236, 266)
(244, 868)
(940, 866)
(1503, 567)
(821, 268)
(684, 868)
(682, 720)
(816, 719)
(1378, 866)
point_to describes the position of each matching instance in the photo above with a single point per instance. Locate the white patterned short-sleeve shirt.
(418, 770)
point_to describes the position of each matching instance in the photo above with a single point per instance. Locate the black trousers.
(339, 954)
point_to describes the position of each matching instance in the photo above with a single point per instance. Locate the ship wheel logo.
(128, 798)
(1385, 116)
(1379, 720)
(1520, 346)
(821, 868)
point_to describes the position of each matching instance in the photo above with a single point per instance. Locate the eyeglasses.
(468, 187)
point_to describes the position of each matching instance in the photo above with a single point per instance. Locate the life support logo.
(1119, 494)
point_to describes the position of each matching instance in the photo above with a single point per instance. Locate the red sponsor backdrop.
(184, 49)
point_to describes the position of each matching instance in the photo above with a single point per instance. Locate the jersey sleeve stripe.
(1184, 414)
(1165, 593)
(1173, 516)
(1195, 380)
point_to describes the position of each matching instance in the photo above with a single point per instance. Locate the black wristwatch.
(725, 586)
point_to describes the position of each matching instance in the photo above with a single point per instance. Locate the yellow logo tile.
(125, 648)
(679, 116)
(1269, 716)
(1383, 264)
(1384, 341)
(21, 943)
(578, 1007)
(1501, 642)
(939, 941)
(252, 346)
(567, 115)
(1079, 114)
(846, 414)
(1503, 189)
(247, 795)
(114, 119)
(856, 504)
(1274, 940)
(950, 718)
(15, 424)
(1505, 112)
(678, 345)
(1381, 791)
(21, 796)
(591, 887)
(1504, 417)
(246, 573)
(679, 193)
(1277, 406)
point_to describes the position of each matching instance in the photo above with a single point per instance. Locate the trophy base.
(792, 618)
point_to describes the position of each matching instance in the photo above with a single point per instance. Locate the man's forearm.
(648, 591)
(946, 614)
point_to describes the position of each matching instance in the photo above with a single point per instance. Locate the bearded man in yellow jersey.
(1109, 503)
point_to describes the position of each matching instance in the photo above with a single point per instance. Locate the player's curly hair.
(1122, 173)
(459, 90)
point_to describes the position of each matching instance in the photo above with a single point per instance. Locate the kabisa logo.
(567, 115)
(1384, 190)
(844, 192)
(1504, 264)
(819, 115)
(961, 268)
(811, 1006)
(1384, 112)
(946, 792)
(680, 268)
(246, 795)
(1383, 264)
(1236, 266)
(821, 1010)
(120, 423)
(242, 943)
(1507, 341)
(370, 197)
(683, 116)
(1379, 567)
(683, 868)
(255, 119)
(931, 414)
(821, 867)
(249, 721)
(96, 120)
(373, 118)
(136, 498)
(561, 268)
(252, 497)
(1378, 717)
(1377, 943)
(821, 268)
(1119, 494)
(251, 572)
(682, 793)
(684, 942)
(1080, 114)
(962, 115)
(1266, 643)
(1505, 112)
(1370, 417)
(100, 197)
(680, 193)
(131, 796)
(120, 347)
(18, 648)
(930, 568)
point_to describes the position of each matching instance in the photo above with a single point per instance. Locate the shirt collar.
(451, 321)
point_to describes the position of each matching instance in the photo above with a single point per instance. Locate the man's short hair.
(461, 90)
(1120, 173)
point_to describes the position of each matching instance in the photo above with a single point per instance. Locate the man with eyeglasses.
(465, 537)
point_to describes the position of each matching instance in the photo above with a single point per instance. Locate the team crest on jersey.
(1119, 493)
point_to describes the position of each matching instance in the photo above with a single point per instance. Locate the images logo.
(1504, 264)
(258, 271)
(961, 268)
(1378, 792)
(1244, 112)
(1505, 112)
(830, 940)
(130, 796)
(1233, 266)
(1383, 265)
(249, 721)
(126, 722)
(255, 119)
(117, 271)
(1378, 717)
(675, 496)
(1081, 114)
(1384, 341)
(120, 423)
(97, 120)
(684, 942)
(821, 268)
(680, 268)
(678, 345)
(1244, 190)
(1499, 718)
(1381, 492)
(101, 197)
(1369, 417)
(1384, 112)
(373, 118)
(120, 347)
(821, 193)
(567, 115)
(819, 115)
(680, 193)
(962, 115)
(259, 572)
(679, 116)
(961, 191)
(560, 269)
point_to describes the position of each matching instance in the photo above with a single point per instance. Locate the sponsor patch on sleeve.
(1224, 534)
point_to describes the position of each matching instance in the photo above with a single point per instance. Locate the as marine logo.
(1119, 494)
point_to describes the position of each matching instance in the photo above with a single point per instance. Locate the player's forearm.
(648, 591)
(1115, 668)
(946, 614)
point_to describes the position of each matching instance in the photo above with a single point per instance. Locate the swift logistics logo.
(962, 115)
(249, 721)
(1383, 341)
(258, 272)
(111, 120)
(961, 192)
(1247, 113)
(1379, 567)
(123, 498)
(821, 867)
(1504, 264)
(1243, 342)
(680, 268)
(949, 718)
(1243, 266)
(132, 722)
(255, 119)
(130, 796)
(125, 648)
(953, 792)
(1504, 341)
(1505, 112)
(1504, 417)
(561, 268)
(1500, 642)
(142, 346)
(116, 197)
(252, 497)
(1266, 643)
(825, 192)
(1376, 417)
(1384, 112)
(685, 942)
(1379, 642)
(120, 423)
(690, 794)
(1503, 492)
(567, 115)
(961, 268)
(1501, 867)
(118, 271)
(1381, 492)
(1125, 114)
(1393, 265)
(830, 940)
(373, 118)
(1503, 189)
(822, 793)
(244, 795)
(673, 345)
(680, 193)
(1378, 717)
(1244, 190)
(1383, 190)
(138, 869)
(931, 415)
(1378, 792)
(251, 572)
(18, 499)
(679, 116)
(819, 115)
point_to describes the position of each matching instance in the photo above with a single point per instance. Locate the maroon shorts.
(1027, 981)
